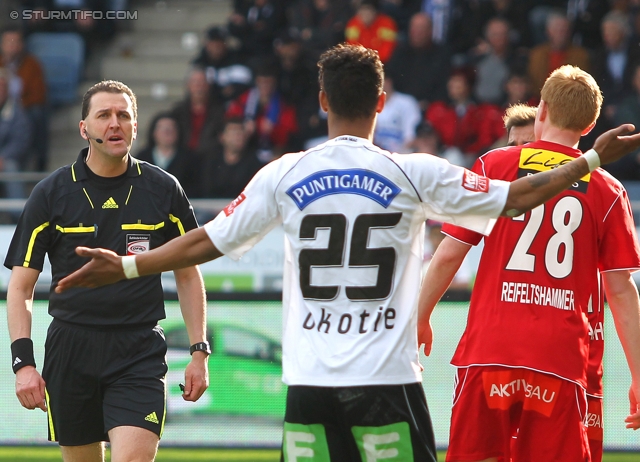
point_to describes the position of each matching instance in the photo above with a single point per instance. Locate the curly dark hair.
(108, 86)
(352, 77)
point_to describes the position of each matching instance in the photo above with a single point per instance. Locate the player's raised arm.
(529, 192)
(106, 267)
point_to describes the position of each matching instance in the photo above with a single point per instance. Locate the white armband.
(592, 158)
(129, 266)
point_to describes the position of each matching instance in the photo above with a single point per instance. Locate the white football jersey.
(353, 217)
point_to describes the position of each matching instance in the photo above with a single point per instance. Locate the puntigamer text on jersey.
(349, 181)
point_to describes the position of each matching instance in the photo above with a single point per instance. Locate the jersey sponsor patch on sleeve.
(138, 243)
(228, 210)
(474, 182)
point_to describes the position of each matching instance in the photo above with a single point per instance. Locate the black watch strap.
(200, 346)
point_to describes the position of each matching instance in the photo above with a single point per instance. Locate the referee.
(104, 370)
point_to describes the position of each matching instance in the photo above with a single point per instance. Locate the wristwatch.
(201, 346)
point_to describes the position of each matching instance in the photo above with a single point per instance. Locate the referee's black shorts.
(354, 424)
(98, 379)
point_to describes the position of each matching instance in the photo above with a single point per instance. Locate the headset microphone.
(97, 140)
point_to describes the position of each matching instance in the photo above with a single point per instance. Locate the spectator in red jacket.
(269, 121)
(461, 123)
(200, 114)
(372, 29)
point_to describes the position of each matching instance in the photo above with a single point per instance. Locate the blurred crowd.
(451, 69)
(25, 106)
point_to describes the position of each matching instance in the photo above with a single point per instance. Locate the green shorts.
(346, 424)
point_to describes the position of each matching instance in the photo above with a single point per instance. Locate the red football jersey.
(529, 307)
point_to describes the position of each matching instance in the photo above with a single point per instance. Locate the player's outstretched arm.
(442, 269)
(624, 302)
(105, 266)
(529, 192)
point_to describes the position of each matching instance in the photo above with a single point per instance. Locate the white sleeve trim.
(456, 239)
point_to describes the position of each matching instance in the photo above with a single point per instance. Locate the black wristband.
(201, 346)
(22, 354)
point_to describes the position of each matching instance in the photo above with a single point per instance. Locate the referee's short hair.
(109, 86)
(519, 115)
(352, 78)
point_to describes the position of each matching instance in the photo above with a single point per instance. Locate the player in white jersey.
(353, 217)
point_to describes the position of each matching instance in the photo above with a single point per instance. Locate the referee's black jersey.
(141, 210)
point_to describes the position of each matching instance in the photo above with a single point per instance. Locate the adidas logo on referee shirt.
(153, 418)
(110, 204)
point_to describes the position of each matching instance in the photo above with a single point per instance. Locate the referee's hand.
(196, 376)
(30, 388)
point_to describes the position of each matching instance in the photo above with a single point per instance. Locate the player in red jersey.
(519, 121)
(522, 360)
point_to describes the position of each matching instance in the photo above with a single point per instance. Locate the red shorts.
(595, 427)
(494, 404)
